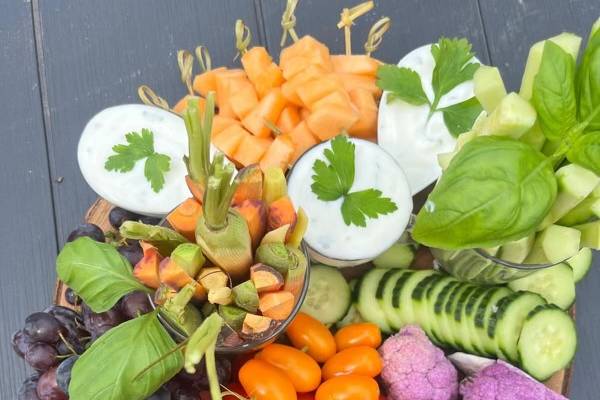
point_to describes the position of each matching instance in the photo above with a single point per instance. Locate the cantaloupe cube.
(279, 154)
(305, 52)
(229, 139)
(267, 110)
(182, 104)
(251, 149)
(242, 97)
(304, 113)
(358, 64)
(316, 89)
(262, 71)
(366, 126)
(303, 139)
(224, 81)
(206, 81)
(338, 98)
(352, 81)
(289, 118)
(330, 120)
(220, 123)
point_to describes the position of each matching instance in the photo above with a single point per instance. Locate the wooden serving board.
(98, 214)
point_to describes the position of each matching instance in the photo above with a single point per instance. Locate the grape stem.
(66, 342)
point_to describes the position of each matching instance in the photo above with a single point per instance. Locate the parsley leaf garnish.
(140, 146)
(334, 180)
(453, 66)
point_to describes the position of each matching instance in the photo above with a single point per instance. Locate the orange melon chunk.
(262, 71)
(182, 104)
(206, 81)
(366, 125)
(279, 154)
(358, 64)
(289, 88)
(242, 97)
(288, 119)
(229, 139)
(352, 81)
(305, 52)
(220, 123)
(251, 149)
(316, 89)
(223, 81)
(268, 109)
(331, 120)
(338, 97)
(303, 139)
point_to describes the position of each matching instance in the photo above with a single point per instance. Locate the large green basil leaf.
(96, 272)
(554, 92)
(495, 190)
(459, 118)
(107, 370)
(588, 81)
(586, 152)
(164, 239)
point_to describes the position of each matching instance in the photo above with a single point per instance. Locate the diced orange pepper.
(267, 111)
(279, 154)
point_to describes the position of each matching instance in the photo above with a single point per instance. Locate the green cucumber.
(402, 295)
(467, 326)
(516, 251)
(590, 234)
(488, 87)
(422, 313)
(485, 311)
(443, 329)
(555, 284)
(392, 316)
(512, 117)
(400, 255)
(328, 295)
(581, 263)
(431, 297)
(583, 212)
(460, 326)
(368, 306)
(559, 242)
(448, 315)
(352, 316)
(548, 342)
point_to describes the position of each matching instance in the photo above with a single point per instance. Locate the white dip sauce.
(131, 190)
(406, 134)
(327, 233)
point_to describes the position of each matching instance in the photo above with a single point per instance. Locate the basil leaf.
(459, 118)
(588, 81)
(586, 152)
(554, 92)
(401, 83)
(495, 190)
(96, 272)
(107, 370)
(164, 239)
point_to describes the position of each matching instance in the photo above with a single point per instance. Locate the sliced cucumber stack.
(328, 296)
(555, 284)
(548, 341)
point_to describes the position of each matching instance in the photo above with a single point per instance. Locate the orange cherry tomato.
(360, 360)
(359, 334)
(301, 369)
(305, 332)
(348, 387)
(262, 381)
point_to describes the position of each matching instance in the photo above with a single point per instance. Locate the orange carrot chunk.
(206, 81)
(250, 186)
(281, 212)
(255, 214)
(359, 64)
(289, 118)
(185, 217)
(303, 139)
(330, 120)
(366, 125)
(146, 270)
(175, 277)
(276, 305)
(229, 139)
(279, 154)
(267, 111)
(251, 149)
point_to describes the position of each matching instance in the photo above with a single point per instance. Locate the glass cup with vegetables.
(516, 200)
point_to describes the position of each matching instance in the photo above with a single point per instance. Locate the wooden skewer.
(347, 17)
(288, 22)
(185, 60)
(376, 33)
(149, 97)
(243, 37)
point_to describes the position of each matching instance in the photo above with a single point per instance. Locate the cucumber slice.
(548, 341)
(485, 311)
(352, 316)
(328, 295)
(590, 234)
(368, 306)
(581, 263)
(422, 313)
(461, 333)
(555, 284)
(507, 323)
(534, 137)
(392, 316)
(466, 330)
(402, 297)
(443, 328)
(448, 315)
(470, 313)
(431, 297)
(582, 213)
(400, 255)
(517, 251)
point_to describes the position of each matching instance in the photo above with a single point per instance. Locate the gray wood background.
(61, 61)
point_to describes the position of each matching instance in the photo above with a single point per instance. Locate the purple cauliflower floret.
(502, 381)
(414, 369)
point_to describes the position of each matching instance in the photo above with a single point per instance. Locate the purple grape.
(20, 343)
(72, 297)
(99, 323)
(63, 373)
(135, 304)
(87, 230)
(132, 252)
(118, 215)
(41, 356)
(69, 345)
(150, 220)
(184, 384)
(43, 327)
(69, 318)
(28, 389)
(47, 387)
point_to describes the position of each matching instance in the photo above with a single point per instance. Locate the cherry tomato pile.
(317, 366)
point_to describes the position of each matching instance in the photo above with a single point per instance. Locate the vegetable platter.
(268, 247)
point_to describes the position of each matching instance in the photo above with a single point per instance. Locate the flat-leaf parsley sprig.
(140, 146)
(334, 180)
